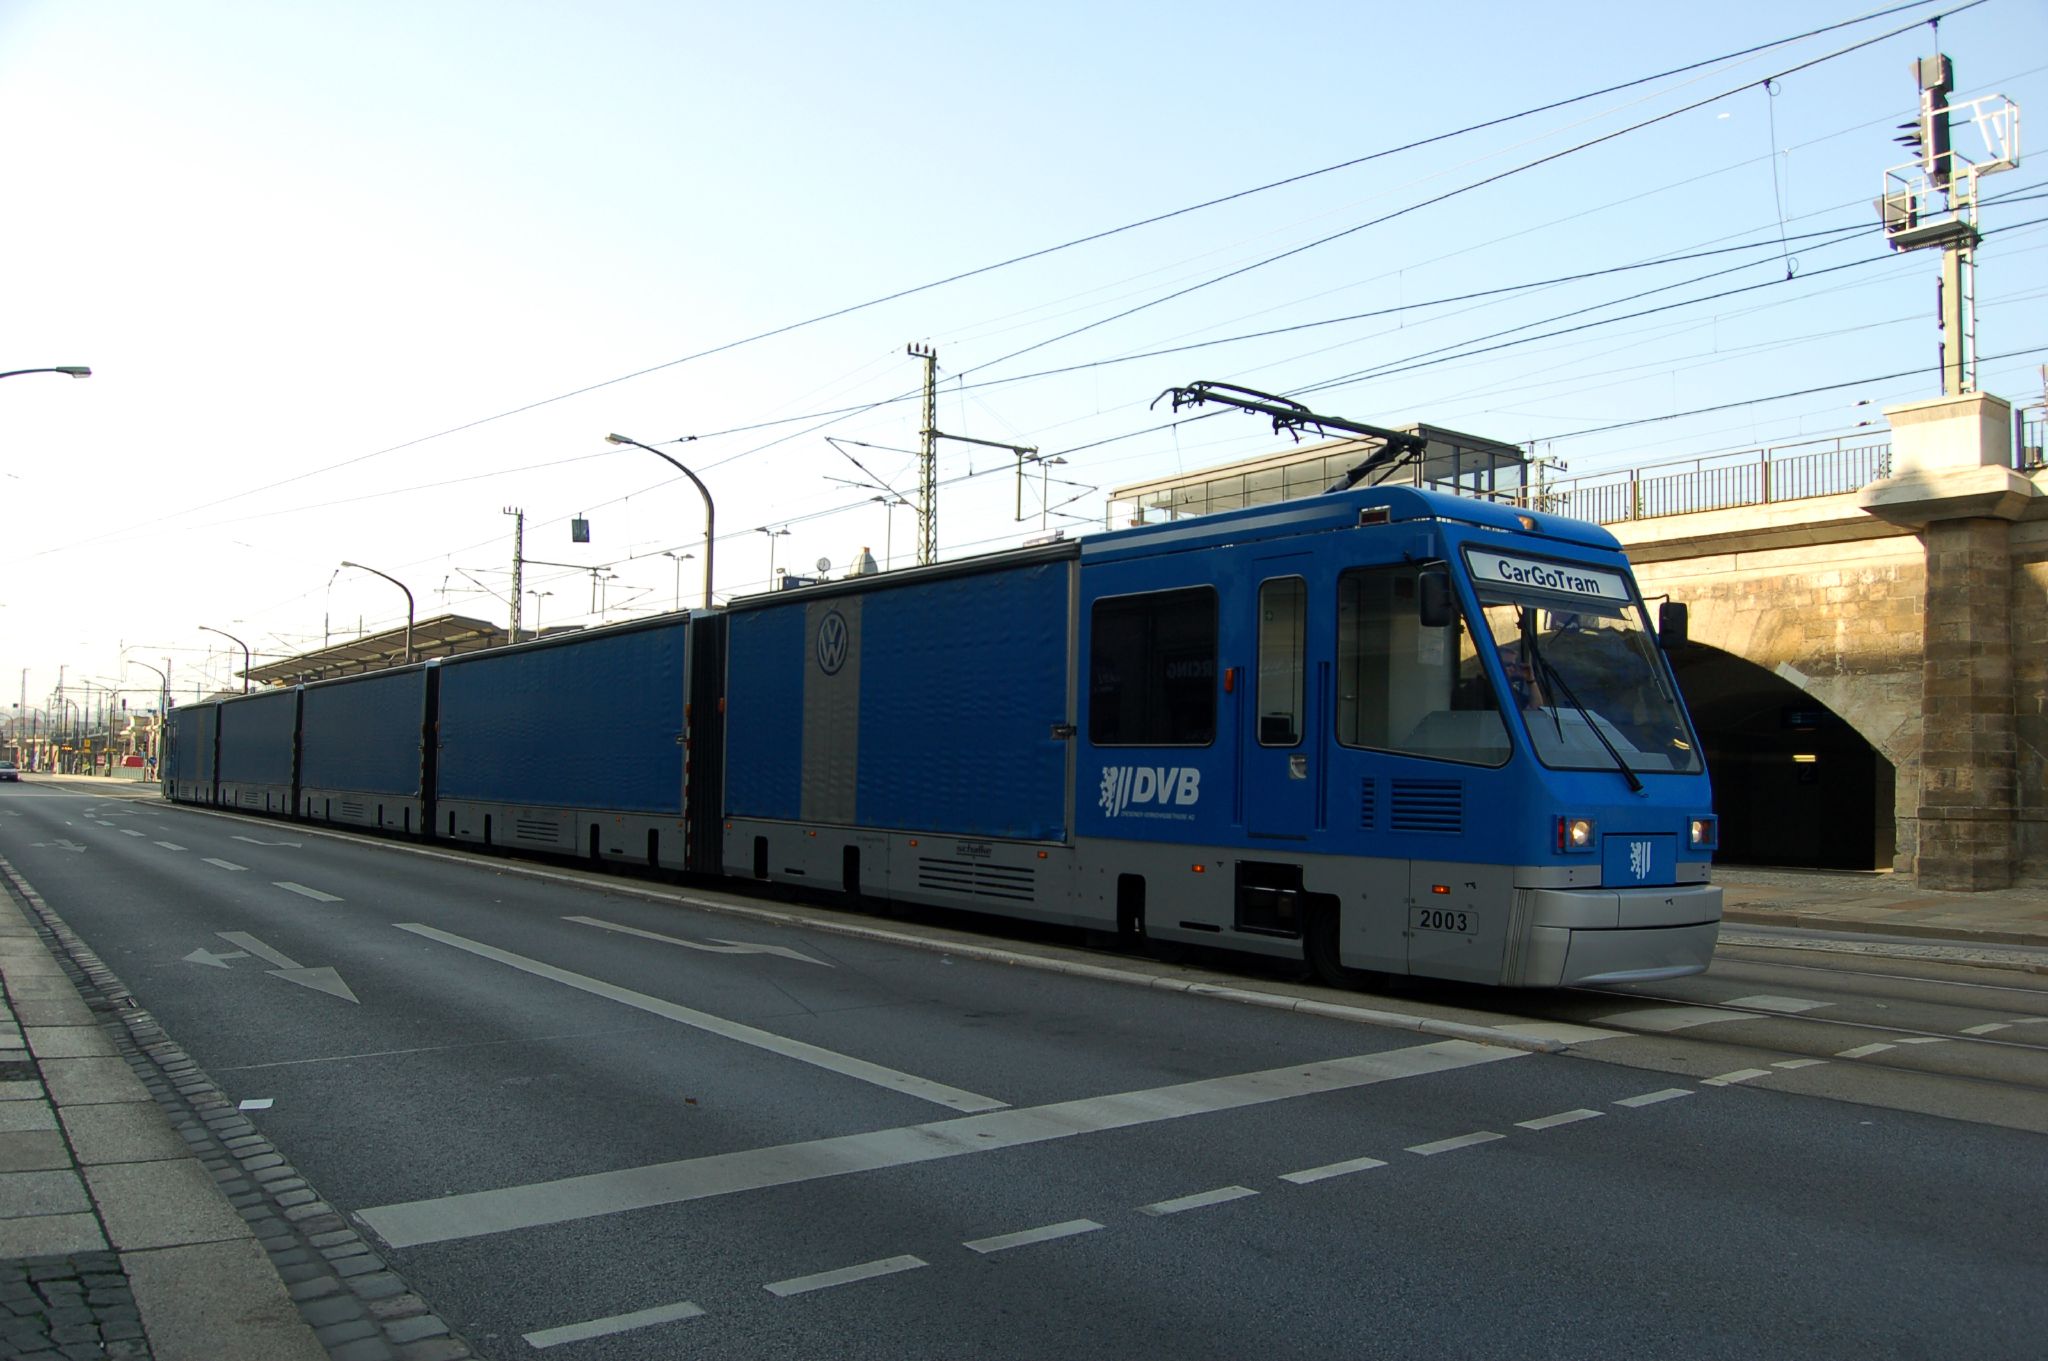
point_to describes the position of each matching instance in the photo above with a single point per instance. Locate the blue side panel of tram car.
(915, 706)
(189, 772)
(590, 722)
(360, 749)
(258, 745)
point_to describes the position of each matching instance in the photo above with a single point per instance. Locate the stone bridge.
(1869, 669)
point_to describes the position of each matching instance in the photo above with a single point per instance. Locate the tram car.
(1384, 730)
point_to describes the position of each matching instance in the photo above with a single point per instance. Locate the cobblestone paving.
(76, 1308)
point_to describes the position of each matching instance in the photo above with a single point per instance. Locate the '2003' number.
(1443, 919)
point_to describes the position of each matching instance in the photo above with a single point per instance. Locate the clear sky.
(355, 278)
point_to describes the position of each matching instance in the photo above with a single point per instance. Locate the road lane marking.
(130, 831)
(1798, 1063)
(1561, 1118)
(1665, 1019)
(254, 842)
(1652, 1098)
(170, 845)
(1864, 1051)
(320, 979)
(1453, 1144)
(1730, 1079)
(315, 894)
(720, 947)
(1790, 1006)
(1200, 1200)
(226, 864)
(1024, 1238)
(476, 1213)
(617, 1323)
(1328, 1170)
(1989, 1028)
(843, 1064)
(1926, 1039)
(846, 1275)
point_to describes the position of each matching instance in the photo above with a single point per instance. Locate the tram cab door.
(1283, 747)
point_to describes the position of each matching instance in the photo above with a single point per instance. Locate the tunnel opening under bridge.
(1795, 785)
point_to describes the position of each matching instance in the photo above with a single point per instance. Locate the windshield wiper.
(1553, 677)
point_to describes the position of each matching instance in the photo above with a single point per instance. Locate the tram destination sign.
(1554, 578)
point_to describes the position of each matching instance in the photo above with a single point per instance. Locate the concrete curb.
(1821, 921)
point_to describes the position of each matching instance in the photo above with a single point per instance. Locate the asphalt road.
(586, 1118)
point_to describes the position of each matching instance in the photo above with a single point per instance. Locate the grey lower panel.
(360, 808)
(259, 798)
(1027, 879)
(651, 839)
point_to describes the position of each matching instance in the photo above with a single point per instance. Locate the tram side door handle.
(1297, 765)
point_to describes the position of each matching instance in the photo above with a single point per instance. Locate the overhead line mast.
(928, 457)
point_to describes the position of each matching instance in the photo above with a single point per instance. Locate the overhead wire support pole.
(1397, 447)
(928, 459)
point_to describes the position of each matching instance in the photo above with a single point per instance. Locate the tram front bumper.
(1630, 935)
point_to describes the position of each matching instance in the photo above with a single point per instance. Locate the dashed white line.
(1652, 1098)
(846, 1275)
(1988, 1028)
(1926, 1039)
(226, 864)
(1045, 1233)
(1452, 1145)
(1864, 1051)
(617, 1323)
(1798, 1063)
(1561, 1118)
(315, 894)
(1730, 1079)
(130, 831)
(1199, 1201)
(1328, 1170)
(170, 845)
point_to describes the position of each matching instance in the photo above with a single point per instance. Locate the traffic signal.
(1927, 136)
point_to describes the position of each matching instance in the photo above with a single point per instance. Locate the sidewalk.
(1882, 904)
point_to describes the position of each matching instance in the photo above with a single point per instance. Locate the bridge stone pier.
(1869, 670)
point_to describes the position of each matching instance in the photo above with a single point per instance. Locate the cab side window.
(1152, 670)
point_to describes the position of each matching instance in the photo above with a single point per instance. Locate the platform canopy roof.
(442, 636)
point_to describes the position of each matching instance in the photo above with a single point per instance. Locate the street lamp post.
(702, 491)
(75, 370)
(246, 663)
(773, 535)
(888, 505)
(163, 705)
(408, 602)
(677, 559)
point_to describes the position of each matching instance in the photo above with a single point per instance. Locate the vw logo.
(833, 637)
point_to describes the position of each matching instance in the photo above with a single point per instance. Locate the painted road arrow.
(321, 979)
(212, 960)
(63, 845)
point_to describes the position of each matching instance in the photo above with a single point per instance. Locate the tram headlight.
(1704, 833)
(1575, 835)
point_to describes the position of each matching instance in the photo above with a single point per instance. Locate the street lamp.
(702, 490)
(888, 505)
(75, 370)
(408, 602)
(773, 535)
(538, 596)
(677, 559)
(246, 664)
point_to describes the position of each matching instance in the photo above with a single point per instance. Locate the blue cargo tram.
(1383, 729)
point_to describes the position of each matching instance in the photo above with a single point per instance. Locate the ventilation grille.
(1428, 806)
(1368, 805)
(972, 879)
(538, 830)
(249, 798)
(354, 809)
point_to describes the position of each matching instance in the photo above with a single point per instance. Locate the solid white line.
(1791, 1006)
(170, 845)
(1987, 1029)
(846, 1275)
(315, 894)
(1730, 1079)
(617, 1323)
(226, 864)
(843, 1064)
(476, 1213)
(1452, 1145)
(1328, 1170)
(1864, 1051)
(1652, 1098)
(1200, 1200)
(1799, 1063)
(1023, 1238)
(1563, 1118)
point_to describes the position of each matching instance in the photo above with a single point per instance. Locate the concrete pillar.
(1952, 479)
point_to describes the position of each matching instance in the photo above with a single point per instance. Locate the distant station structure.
(442, 636)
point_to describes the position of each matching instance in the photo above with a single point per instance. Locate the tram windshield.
(1586, 675)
